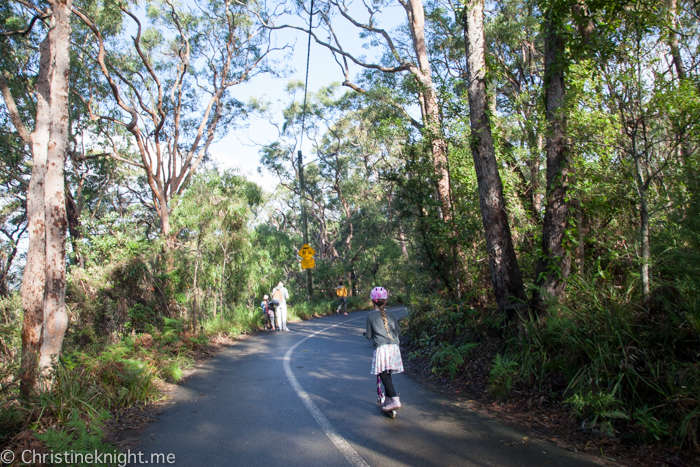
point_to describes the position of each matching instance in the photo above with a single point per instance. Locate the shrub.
(597, 409)
(81, 439)
(502, 376)
(450, 358)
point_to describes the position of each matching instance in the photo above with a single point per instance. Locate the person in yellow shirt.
(342, 294)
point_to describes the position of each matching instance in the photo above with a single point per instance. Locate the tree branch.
(13, 111)
(25, 31)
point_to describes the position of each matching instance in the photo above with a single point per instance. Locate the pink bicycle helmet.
(379, 293)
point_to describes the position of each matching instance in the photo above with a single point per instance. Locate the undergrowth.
(628, 371)
(93, 382)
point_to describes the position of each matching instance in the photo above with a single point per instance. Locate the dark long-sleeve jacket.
(376, 331)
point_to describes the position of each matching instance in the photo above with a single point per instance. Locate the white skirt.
(387, 357)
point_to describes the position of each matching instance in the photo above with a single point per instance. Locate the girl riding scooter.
(383, 329)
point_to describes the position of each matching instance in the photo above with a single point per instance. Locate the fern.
(451, 358)
(78, 439)
(597, 409)
(501, 376)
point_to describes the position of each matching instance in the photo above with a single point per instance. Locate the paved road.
(306, 398)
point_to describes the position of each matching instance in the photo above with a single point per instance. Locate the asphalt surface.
(248, 406)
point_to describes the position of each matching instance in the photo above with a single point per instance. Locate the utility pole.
(302, 193)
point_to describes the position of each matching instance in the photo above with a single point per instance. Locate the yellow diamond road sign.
(306, 252)
(308, 263)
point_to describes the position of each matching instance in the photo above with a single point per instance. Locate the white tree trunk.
(44, 279)
(416, 17)
(33, 279)
(55, 316)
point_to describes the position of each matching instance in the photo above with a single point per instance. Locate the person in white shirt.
(281, 295)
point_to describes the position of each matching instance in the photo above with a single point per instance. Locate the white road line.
(343, 446)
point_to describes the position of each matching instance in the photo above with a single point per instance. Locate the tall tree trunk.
(505, 272)
(34, 277)
(165, 224)
(691, 176)
(44, 279)
(555, 263)
(55, 315)
(223, 273)
(194, 292)
(416, 16)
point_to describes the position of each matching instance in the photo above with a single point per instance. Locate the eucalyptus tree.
(43, 128)
(403, 50)
(172, 88)
(572, 30)
(554, 264)
(505, 272)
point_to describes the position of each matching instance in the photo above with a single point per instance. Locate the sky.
(240, 148)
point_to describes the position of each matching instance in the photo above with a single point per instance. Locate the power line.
(302, 188)
(306, 79)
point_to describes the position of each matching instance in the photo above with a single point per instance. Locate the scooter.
(381, 398)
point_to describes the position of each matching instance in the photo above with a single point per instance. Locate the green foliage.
(450, 358)
(603, 344)
(240, 320)
(83, 440)
(652, 428)
(502, 376)
(11, 414)
(597, 410)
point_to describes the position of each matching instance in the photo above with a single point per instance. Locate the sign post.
(307, 253)
(302, 193)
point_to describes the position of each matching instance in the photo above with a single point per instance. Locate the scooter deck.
(390, 414)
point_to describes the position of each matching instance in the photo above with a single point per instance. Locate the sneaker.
(394, 404)
(346, 313)
(286, 329)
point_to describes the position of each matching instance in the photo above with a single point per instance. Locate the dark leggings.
(388, 384)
